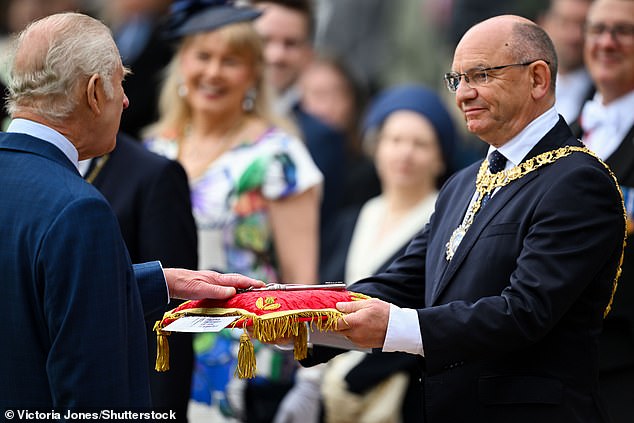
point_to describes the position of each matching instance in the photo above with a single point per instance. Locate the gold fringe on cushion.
(272, 327)
(267, 328)
(246, 358)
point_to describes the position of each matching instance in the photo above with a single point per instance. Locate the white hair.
(52, 57)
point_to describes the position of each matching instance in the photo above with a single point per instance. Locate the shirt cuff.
(403, 332)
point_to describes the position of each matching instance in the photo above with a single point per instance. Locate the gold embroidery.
(267, 303)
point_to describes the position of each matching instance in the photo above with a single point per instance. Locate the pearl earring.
(182, 90)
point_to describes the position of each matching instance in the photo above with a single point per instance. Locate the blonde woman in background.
(255, 190)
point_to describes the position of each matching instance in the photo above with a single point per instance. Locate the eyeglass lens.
(623, 33)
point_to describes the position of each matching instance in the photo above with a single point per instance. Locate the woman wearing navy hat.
(412, 136)
(255, 190)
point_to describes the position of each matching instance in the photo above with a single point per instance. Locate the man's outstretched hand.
(197, 285)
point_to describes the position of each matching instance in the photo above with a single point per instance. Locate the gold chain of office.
(486, 183)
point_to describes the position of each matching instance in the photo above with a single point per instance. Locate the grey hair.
(531, 42)
(52, 57)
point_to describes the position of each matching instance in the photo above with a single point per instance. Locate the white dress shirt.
(400, 335)
(570, 92)
(605, 126)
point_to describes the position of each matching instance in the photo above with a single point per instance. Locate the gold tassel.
(246, 358)
(162, 351)
(300, 349)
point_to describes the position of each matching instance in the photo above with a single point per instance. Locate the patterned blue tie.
(497, 163)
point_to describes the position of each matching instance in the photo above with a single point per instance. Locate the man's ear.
(94, 93)
(541, 79)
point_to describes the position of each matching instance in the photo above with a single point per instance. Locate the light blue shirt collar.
(518, 147)
(43, 132)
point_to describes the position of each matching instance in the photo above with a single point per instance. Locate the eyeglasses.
(478, 76)
(621, 33)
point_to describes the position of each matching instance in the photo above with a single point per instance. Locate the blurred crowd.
(322, 160)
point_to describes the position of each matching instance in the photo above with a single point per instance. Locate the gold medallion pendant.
(454, 241)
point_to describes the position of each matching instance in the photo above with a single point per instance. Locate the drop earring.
(248, 104)
(182, 90)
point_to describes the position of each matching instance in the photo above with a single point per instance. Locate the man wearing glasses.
(607, 128)
(503, 294)
(564, 22)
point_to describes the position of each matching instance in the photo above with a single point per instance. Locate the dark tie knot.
(497, 162)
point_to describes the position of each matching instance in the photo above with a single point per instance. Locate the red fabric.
(264, 302)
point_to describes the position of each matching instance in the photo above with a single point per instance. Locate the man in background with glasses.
(606, 126)
(564, 21)
(502, 296)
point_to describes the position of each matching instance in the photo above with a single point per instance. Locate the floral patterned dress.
(229, 203)
(229, 200)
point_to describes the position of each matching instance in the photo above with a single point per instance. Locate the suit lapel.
(481, 221)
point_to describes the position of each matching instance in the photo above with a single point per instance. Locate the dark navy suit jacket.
(510, 325)
(73, 331)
